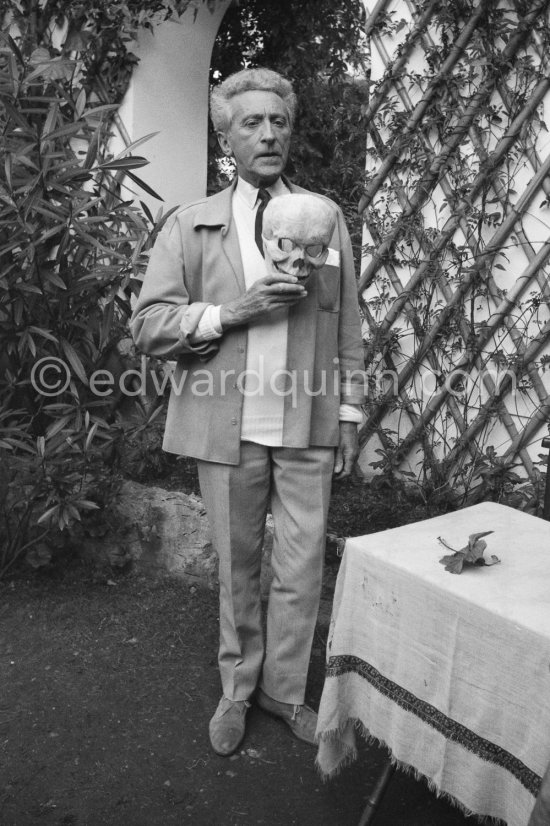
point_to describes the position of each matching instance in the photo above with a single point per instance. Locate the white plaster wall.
(168, 94)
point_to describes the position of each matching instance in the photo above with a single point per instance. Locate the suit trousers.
(296, 482)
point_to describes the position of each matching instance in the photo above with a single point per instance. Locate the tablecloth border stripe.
(429, 714)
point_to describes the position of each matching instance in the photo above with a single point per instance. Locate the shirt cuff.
(209, 326)
(350, 413)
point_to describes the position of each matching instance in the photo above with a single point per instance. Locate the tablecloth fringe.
(350, 755)
(349, 752)
(434, 788)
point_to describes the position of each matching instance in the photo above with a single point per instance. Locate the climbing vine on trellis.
(456, 213)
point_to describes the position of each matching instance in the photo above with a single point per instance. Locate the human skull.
(296, 233)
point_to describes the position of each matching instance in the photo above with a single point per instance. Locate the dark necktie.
(263, 197)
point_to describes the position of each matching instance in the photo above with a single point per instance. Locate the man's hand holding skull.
(296, 231)
(264, 296)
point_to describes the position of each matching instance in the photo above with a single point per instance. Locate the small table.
(450, 672)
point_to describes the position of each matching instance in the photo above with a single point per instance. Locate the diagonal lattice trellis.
(457, 236)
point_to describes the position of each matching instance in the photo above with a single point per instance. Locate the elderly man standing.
(266, 397)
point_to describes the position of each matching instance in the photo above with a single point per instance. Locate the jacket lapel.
(215, 212)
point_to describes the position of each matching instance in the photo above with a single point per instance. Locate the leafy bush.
(71, 244)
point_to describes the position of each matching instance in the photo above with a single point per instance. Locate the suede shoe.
(301, 720)
(227, 726)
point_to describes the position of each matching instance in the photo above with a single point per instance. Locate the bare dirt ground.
(106, 694)
(107, 684)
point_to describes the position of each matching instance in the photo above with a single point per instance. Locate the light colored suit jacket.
(196, 261)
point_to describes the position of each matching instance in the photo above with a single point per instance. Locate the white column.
(168, 94)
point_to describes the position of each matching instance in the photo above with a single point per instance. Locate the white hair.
(249, 80)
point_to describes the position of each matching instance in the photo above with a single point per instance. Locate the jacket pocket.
(328, 289)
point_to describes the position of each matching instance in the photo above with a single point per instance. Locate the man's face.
(258, 136)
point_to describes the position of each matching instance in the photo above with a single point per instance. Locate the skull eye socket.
(313, 250)
(286, 244)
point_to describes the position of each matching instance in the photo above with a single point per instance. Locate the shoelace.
(228, 705)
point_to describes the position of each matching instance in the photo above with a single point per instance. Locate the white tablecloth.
(451, 672)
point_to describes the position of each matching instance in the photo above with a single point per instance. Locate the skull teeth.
(297, 275)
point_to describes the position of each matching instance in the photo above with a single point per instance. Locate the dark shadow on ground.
(107, 687)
